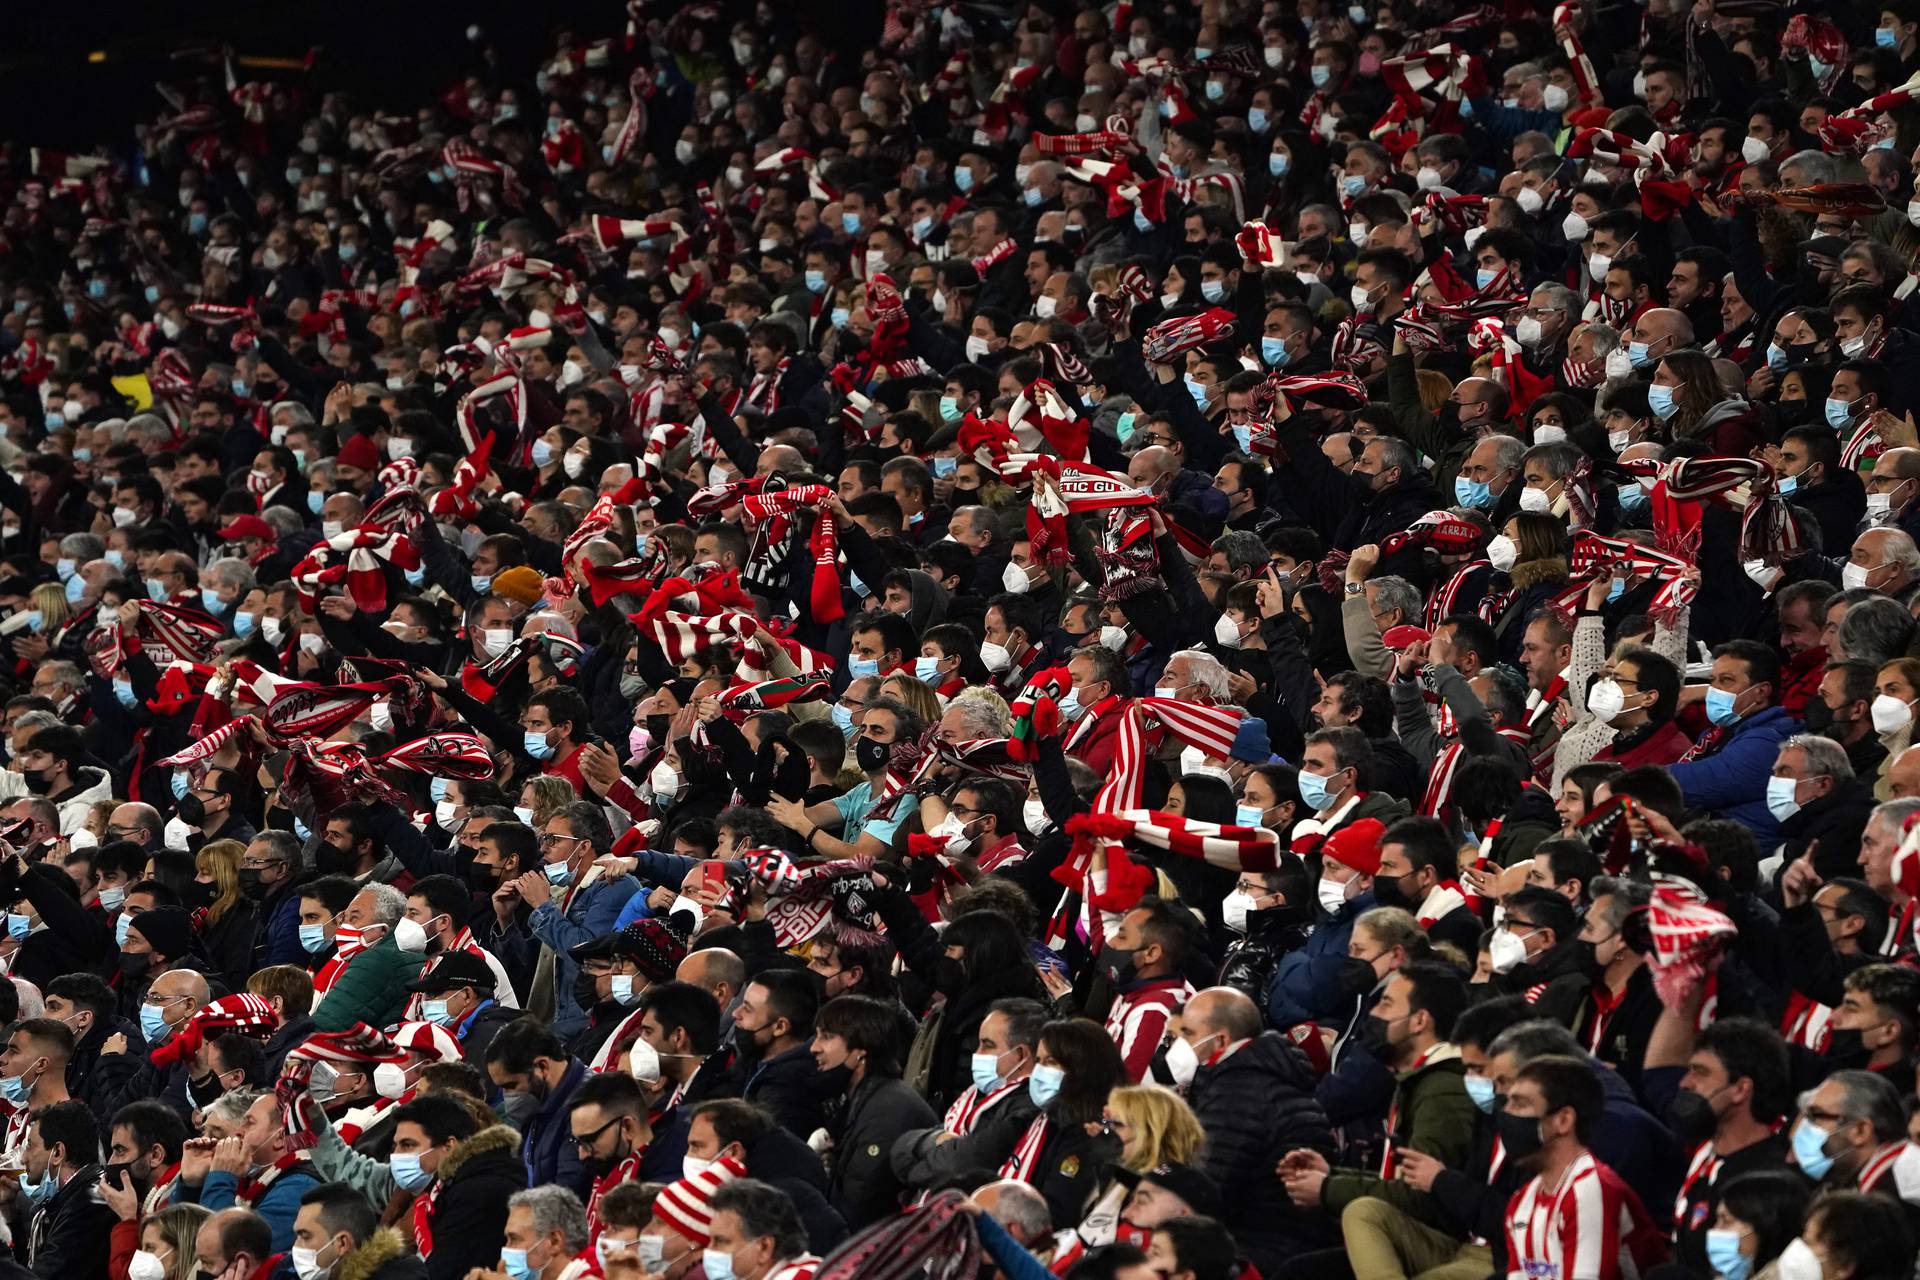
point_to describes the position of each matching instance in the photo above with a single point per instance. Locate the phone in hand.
(713, 879)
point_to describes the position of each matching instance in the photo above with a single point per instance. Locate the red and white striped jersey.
(1577, 1231)
(1138, 1019)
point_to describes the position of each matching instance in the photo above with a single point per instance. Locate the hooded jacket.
(470, 1212)
(94, 785)
(384, 1256)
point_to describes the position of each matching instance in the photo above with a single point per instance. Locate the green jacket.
(1434, 1116)
(373, 989)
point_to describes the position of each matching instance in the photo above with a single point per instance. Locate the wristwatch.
(1356, 588)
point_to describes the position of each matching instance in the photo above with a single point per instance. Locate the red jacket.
(1664, 746)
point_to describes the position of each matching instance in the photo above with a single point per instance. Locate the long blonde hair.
(178, 1225)
(50, 598)
(221, 860)
(1164, 1128)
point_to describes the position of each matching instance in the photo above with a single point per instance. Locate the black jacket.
(928, 1164)
(1072, 1168)
(790, 1087)
(1256, 1104)
(1250, 962)
(1837, 820)
(861, 1181)
(82, 1082)
(781, 1160)
(1837, 505)
(72, 1233)
(470, 1213)
(479, 1032)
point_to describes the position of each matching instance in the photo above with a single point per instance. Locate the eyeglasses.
(587, 1144)
(548, 841)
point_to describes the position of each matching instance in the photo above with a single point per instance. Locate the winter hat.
(425, 1037)
(1250, 742)
(359, 453)
(686, 1205)
(651, 945)
(1357, 845)
(519, 584)
(168, 930)
(248, 527)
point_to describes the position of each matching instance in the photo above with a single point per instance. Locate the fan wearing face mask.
(1537, 945)
(66, 1226)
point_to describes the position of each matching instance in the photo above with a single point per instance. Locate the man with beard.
(773, 1030)
(1694, 288)
(143, 1161)
(527, 1061)
(608, 1117)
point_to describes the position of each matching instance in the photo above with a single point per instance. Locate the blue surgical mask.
(124, 694)
(1142, 221)
(120, 927)
(963, 179)
(301, 829)
(542, 453)
(153, 1023)
(1720, 707)
(1776, 357)
(157, 590)
(850, 223)
(112, 897)
(1821, 70)
(922, 227)
(1886, 37)
(1352, 185)
(96, 288)
(66, 568)
(986, 1072)
(949, 409)
(843, 720)
(1274, 352)
(1631, 497)
(858, 587)
(1660, 400)
(315, 500)
(943, 467)
(1786, 485)
(1637, 355)
(210, 601)
(36, 620)
(1123, 426)
(1723, 1246)
(1321, 76)
(1313, 791)
(537, 745)
(1243, 438)
(437, 788)
(196, 223)
(558, 873)
(1033, 197)
(1480, 1089)
(816, 281)
(1197, 390)
(75, 589)
(1472, 493)
(1043, 1086)
(860, 667)
(1071, 708)
(926, 669)
(481, 582)
(313, 938)
(1278, 162)
(1618, 589)
(1810, 1150)
(177, 784)
(41, 1189)
(514, 1263)
(839, 317)
(1213, 290)
(407, 1173)
(415, 577)
(1839, 413)
(1257, 122)
(1247, 815)
(1484, 276)
(436, 1012)
(18, 927)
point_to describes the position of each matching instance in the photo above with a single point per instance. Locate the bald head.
(1663, 330)
(716, 970)
(1225, 1010)
(1900, 464)
(140, 823)
(175, 983)
(1150, 465)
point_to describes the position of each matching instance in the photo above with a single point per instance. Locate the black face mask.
(657, 729)
(37, 781)
(1795, 413)
(481, 879)
(1118, 964)
(1391, 891)
(586, 993)
(1818, 715)
(1356, 977)
(1519, 1135)
(871, 756)
(250, 883)
(1799, 353)
(192, 809)
(329, 861)
(949, 976)
(136, 967)
(1691, 1117)
(1844, 1050)
(1374, 1036)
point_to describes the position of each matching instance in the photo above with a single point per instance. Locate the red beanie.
(358, 452)
(1357, 845)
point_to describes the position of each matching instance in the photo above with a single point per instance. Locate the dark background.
(395, 52)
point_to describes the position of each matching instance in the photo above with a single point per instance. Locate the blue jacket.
(1733, 780)
(278, 1204)
(653, 867)
(548, 1149)
(283, 934)
(590, 915)
(1306, 986)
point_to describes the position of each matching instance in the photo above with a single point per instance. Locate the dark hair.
(1771, 1201)
(1569, 1082)
(1750, 1049)
(85, 991)
(690, 1008)
(150, 1122)
(791, 994)
(517, 1044)
(1473, 634)
(1763, 664)
(71, 1124)
(332, 892)
(990, 945)
(614, 1092)
(1482, 1024)
(735, 1120)
(444, 896)
(247, 1232)
(1201, 1246)
(439, 1116)
(343, 1211)
(1569, 859)
(1092, 1064)
(866, 1024)
(1654, 672)
(1438, 988)
(1545, 908)
(1868, 1232)
(763, 1210)
(1653, 786)
(1425, 842)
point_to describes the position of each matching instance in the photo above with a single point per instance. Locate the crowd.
(1164, 642)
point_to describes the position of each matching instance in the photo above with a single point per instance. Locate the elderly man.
(1819, 803)
(1656, 334)
(123, 1074)
(1884, 560)
(546, 1228)
(226, 1175)
(372, 988)
(1486, 478)
(1892, 490)
(233, 1244)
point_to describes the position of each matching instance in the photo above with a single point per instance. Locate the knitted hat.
(248, 527)
(425, 1037)
(1357, 845)
(168, 930)
(358, 452)
(651, 945)
(519, 584)
(686, 1205)
(1250, 742)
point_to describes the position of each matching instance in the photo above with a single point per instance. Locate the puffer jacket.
(1250, 963)
(1256, 1104)
(470, 1213)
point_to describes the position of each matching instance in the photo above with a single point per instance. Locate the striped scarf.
(936, 1241)
(1437, 801)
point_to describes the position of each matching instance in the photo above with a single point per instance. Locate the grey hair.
(82, 547)
(36, 721)
(283, 845)
(1205, 669)
(1557, 459)
(983, 711)
(1893, 814)
(230, 571)
(1815, 167)
(1019, 1205)
(298, 415)
(1525, 1041)
(149, 428)
(1606, 338)
(283, 520)
(1902, 551)
(1623, 897)
(554, 1209)
(1825, 757)
(1875, 630)
(588, 822)
(1506, 696)
(1559, 298)
(1507, 452)
(116, 429)
(1397, 593)
(232, 1106)
(1871, 1097)
(67, 673)
(1395, 452)
(389, 904)
(1243, 549)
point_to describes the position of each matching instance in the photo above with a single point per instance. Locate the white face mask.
(1501, 553)
(1332, 894)
(955, 832)
(1034, 814)
(665, 780)
(1605, 700)
(1227, 632)
(976, 349)
(1234, 910)
(1889, 713)
(1014, 578)
(1573, 227)
(313, 643)
(1506, 951)
(1598, 265)
(1535, 500)
(995, 656)
(496, 640)
(1362, 299)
